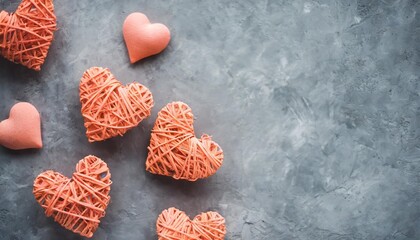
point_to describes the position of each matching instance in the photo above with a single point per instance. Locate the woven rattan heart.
(175, 151)
(77, 203)
(173, 224)
(110, 109)
(26, 35)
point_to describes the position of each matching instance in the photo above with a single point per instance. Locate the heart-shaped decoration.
(22, 129)
(78, 203)
(109, 108)
(173, 224)
(142, 38)
(175, 151)
(26, 35)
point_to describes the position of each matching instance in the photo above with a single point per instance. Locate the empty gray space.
(315, 103)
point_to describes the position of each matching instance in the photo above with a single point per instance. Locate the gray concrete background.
(315, 103)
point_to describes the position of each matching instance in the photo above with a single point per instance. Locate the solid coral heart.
(78, 203)
(142, 38)
(175, 151)
(173, 224)
(110, 109)
(22, 129)
(26, 35)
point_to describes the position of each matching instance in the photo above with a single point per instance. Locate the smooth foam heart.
(173, 224)
(142, 38)
(26, 35)
(22, 129)
(175, 151)
(109, 108)
(78, 203)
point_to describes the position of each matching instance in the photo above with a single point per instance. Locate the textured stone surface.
(315, 103)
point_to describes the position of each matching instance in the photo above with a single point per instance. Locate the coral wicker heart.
(78, 203)
(26, 35)
(174, 224)
(109, 108)
(175, 151)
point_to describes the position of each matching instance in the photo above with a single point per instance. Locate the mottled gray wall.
(315, 103)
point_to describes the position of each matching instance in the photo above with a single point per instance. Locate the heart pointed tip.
(134, 60)
(38, 145)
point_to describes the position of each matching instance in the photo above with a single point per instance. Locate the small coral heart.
(173, 224)
(22, 129)
(26, 35)
(109, 108)
(175, 151)
(78, 203)
(142, 38)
